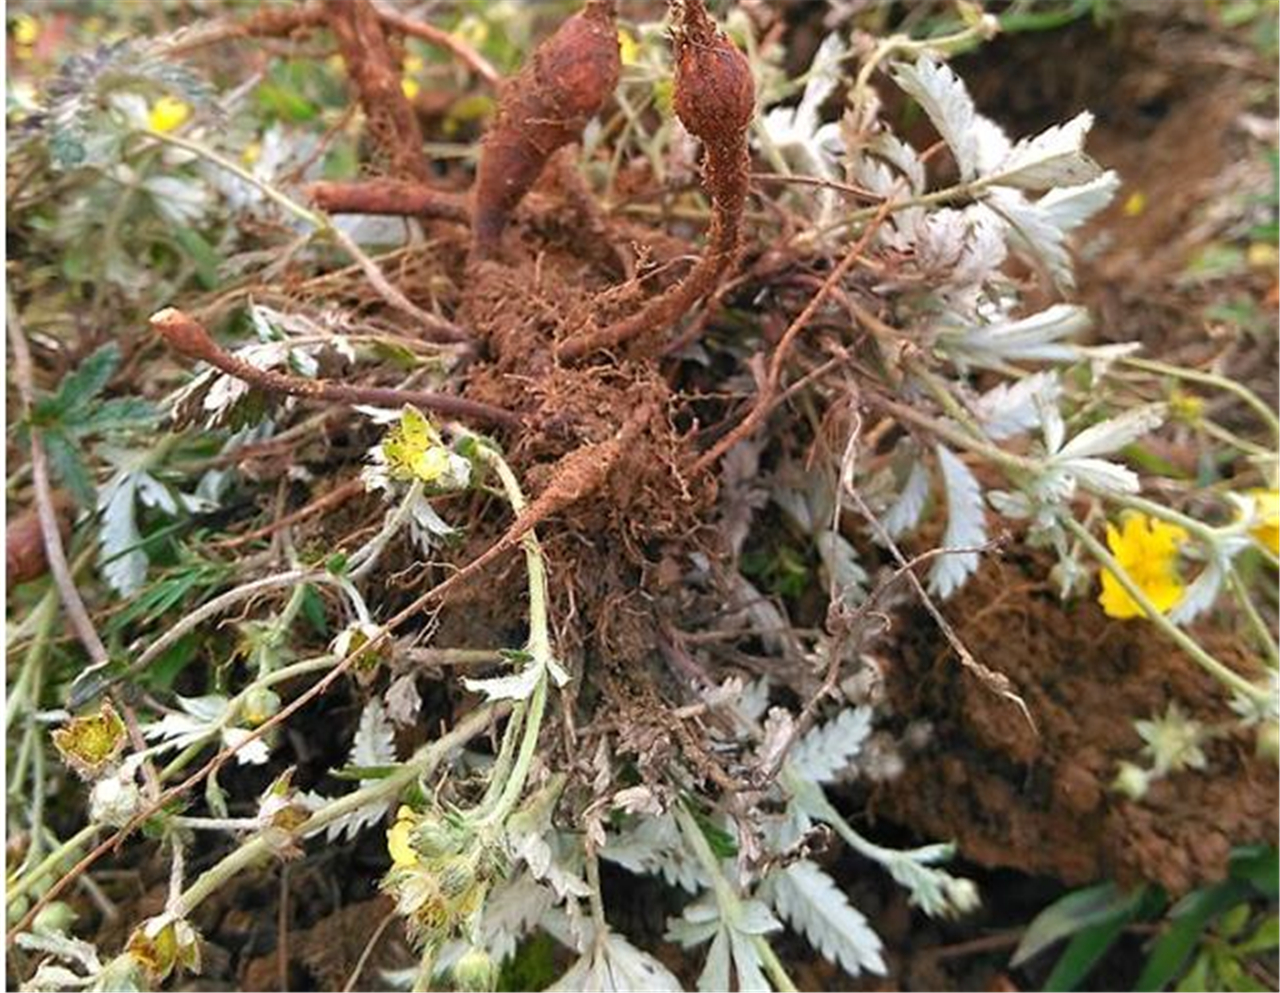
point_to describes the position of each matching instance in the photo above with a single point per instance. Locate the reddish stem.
(186, 336)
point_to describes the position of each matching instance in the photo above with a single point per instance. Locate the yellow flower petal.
(628, 47)
(400, 838)
(168, 113)
(26, 29)
(1146, 549)
(410, 87)
(1266, 511)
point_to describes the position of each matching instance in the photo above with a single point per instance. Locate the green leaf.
(1188, 918)
(68, 466)
(1265, 937)
(1259, 865)
(164, 670)
(313, 611)
(118, 414)
(720, 840)
(1076, 911)
(202, 254)
(89, 379)
(1084, 951)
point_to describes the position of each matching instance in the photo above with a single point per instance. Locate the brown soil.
(1037, 799)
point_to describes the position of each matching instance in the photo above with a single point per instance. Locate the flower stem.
(1209, 379)
(1260, 627)
(423, 763)
(727, 897)
(1206, 661)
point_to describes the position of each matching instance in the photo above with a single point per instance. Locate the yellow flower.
(414, 449)
(1147, 550)
(399, 838)
(26, 29)
(168, 113)
(252, 152)
(628, 47)
(1266, 518)
(1136, 204)
(410, 87)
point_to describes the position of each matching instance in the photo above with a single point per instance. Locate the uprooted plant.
(626, 461)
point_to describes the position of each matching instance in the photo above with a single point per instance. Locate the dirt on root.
(1039, 799)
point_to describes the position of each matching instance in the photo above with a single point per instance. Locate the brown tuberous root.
(715, 100)
(544, 107)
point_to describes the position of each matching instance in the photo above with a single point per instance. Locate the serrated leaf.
(966, 525)
(519, 686)
(1068, 207)
(1034, 233)
(68, 465)
(1112, 435)
(904, 513)
(90, 377)
(815, 906)
(374, 743)
(124, 564)
(943, 97)
(826, 751)
(1055, 157)
(1038, 337)
(1013, 408)
(614, 965)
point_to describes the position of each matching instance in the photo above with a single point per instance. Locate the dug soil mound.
(1038, 798)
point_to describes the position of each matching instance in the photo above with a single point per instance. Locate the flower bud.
(474, 971)
(260, 705)
(1131, 781)
(1268, 741)
(114, 800)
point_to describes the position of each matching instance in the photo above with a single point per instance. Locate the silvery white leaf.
(1053, 426)
(747, 964)
(124, 564)
(966, 525)
(827, 750)
(904, 513)
(1099, 474)
(613, 965)
(815, 906)
(1112, 435)
(715, 973)
(208, 709)
(943, 97)
(1011, 504)
(519, 686)
(1013, 407)
(1055, 157)
(698, 923)
(256, 752)
(154, 493)
(993, 144)
(1068, 207)
(374, 743)
(1036, 337)
(840, 564)
(1034, 233)
(653, 846)
(1200, 595)
(901, 156)
(179, 201)
(754, 699)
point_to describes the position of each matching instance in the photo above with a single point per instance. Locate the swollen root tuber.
(24, 548)
(543, 108)
(714, 99)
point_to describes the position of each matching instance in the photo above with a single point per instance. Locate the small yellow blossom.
(1266, 519)
(410, 86)
(413, 449)
(1262, 255)
(1136, 204)
(168, 113)
(1147, 550)
(628, 47)
(252, 152)
(26, 29)
(399, 839)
